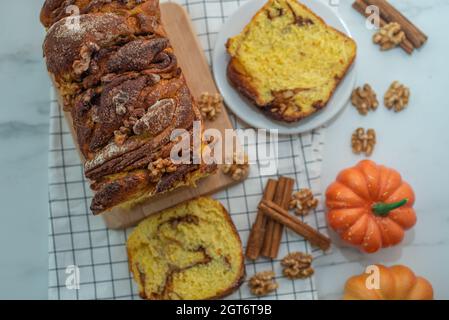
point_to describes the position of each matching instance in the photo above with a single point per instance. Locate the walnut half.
(389, 36)
(397, 97)
(159, 167)
(297, 265)
(364, 99)
(262, 283)
(363, 142)
(238, 170)
(210, 105)
(303, 201)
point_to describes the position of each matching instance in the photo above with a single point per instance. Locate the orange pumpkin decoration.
(370, 206)
(395, 283)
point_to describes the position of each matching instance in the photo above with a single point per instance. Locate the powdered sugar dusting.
(66, 28)
(109, 152)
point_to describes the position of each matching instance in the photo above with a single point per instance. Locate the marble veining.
(24, 110)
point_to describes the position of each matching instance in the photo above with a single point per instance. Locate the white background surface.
(414, 141)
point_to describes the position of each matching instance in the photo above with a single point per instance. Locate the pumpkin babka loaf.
(54, 10)
(120, 81)
(191, 251)
(288, 61)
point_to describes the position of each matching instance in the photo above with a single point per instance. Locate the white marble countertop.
(24, 110)
(414, 141)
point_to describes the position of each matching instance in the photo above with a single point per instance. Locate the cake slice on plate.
(288, 61)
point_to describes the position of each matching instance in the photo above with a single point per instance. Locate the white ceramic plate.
(244, 109)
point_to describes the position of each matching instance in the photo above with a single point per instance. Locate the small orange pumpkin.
(395, 283)
(370, 206)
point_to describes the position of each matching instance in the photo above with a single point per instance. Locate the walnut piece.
(297, 265)
(364, 99)
(238, 169)
(363, 142)
(130, 122)
(397, 97)
(120, 101)
(83, 64)
(389, 36)
(120, 137)
(303, 201)
(159, 167)
(262, 283)
(210, 105)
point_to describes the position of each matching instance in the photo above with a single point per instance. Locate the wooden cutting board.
(196, 70)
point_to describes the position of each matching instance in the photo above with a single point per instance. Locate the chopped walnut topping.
(130, 122)
(82, 65)
(159, 167)
(238, 170)
(210, 105)
(364, 99)
(263, 283)
(363, 142)
(120, 137)
(138, 113)
(389, 36)
(297, 265)
(303, 201)
(125, 130)
(397, 97)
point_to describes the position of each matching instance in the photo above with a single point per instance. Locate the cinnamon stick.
(269, 233)
(391, 14)
(361, 6)
(278, 227)
(256, 236)
(280, 215)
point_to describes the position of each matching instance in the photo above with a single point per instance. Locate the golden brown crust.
(109, 193)
(242, 82)
(55, 10)
(120, 80)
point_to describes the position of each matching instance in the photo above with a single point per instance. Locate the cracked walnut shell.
(238, 169)
(364, 99)
(397, 97)
(210, 105)
(262, 283)
(389, 36)
(303, 201)
(363, 142)
(297, 265)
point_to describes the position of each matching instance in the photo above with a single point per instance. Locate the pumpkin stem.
(383, 209)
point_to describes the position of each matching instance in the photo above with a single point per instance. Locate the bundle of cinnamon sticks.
(266, 234)
(415, 38)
